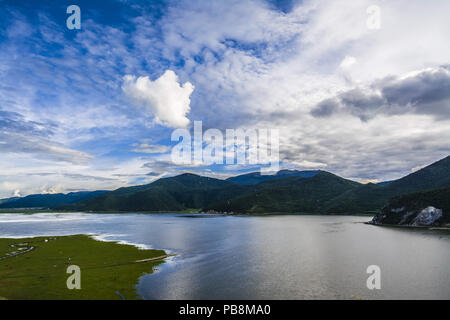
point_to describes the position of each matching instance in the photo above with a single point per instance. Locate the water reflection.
(273, 257)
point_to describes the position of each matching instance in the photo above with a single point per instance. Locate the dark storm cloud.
(153, 174)
(158, 167)
(325, 108)
(364, 157)
(427, 92)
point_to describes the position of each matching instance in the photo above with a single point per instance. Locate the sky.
(94, 108)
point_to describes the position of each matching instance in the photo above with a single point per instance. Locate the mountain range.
(326, 193)
(52, 201)
(288, 191)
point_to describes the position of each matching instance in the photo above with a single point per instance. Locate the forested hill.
(288, 191)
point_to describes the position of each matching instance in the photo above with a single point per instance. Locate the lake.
(265, 257)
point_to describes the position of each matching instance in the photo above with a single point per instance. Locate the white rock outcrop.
(427, 217)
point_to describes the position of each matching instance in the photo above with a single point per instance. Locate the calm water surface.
(272, 257)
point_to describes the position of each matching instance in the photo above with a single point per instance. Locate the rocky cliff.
(431, 208)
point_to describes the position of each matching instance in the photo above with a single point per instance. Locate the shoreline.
(439, 228)
(35, 267)
(194, 211)
(31, 211)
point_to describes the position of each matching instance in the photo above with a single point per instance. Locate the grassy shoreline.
(35, 268)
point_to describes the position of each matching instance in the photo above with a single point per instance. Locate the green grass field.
(35, 268)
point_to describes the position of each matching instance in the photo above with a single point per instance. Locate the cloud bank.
(422, 92)
(362, 103)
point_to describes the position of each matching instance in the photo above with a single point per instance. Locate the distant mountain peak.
(188, 174)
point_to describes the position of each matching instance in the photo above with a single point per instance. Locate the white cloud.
(305, 164)
(417, 168)
(17, 193)
(164, 98)
(348, 62)
(252, 66)
(148, 148)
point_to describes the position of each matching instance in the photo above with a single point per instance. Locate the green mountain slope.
(5, 200)
(288, 195)
(256, 177)
(320, 192)
(371, 197)
(168, 194)
(434, 176)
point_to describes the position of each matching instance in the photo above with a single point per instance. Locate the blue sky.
(94, 108)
